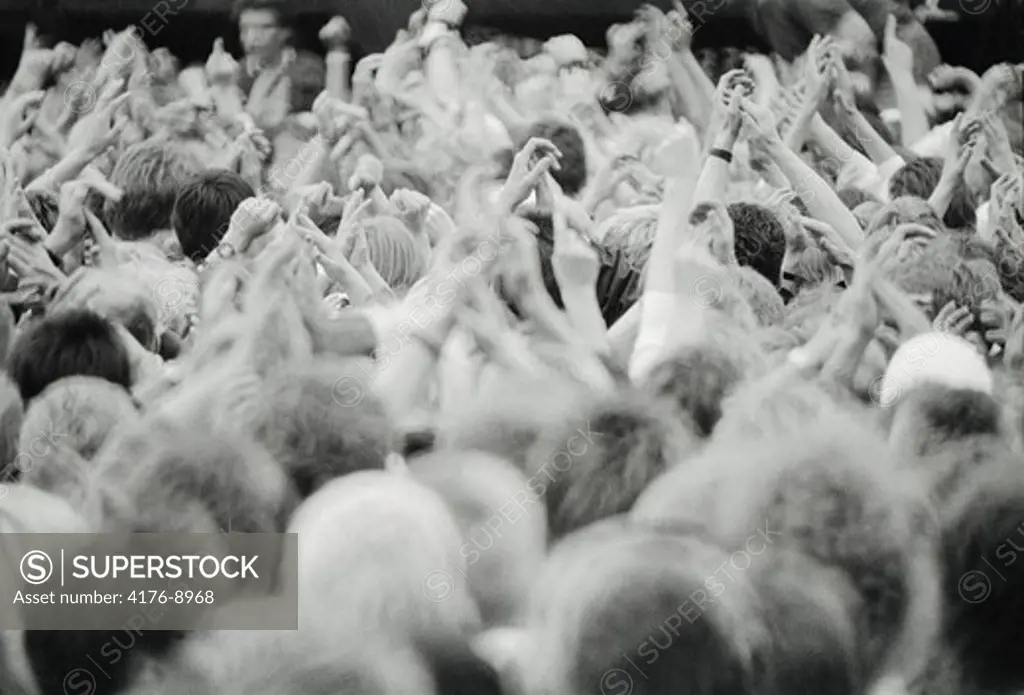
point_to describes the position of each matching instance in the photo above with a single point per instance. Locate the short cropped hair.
(760, 239)
(630, 438)
(178, 478)
(615, 594)
(696, 380)
(917, 177)
(203, 209)
(313, 429)
(68, 343)
(151, 173)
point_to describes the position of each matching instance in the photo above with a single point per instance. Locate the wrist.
(61, 240)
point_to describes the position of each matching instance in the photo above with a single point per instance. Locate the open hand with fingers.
(537, 158)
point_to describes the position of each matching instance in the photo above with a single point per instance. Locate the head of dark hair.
(760, 239)
(919, 177)
(151, 174)
(203, 209)
(572, 174)
(69, 343)
(630, 438)
(696, 380)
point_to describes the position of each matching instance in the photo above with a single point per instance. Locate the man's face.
(261, 34)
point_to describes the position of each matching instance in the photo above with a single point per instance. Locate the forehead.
(259, 18)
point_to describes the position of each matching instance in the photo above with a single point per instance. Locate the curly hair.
(760, 239)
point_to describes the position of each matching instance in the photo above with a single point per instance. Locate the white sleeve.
(657, 314)
(885, 171)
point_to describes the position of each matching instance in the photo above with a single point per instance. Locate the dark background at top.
(976, 41)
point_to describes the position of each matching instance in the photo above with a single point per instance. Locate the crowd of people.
(582, 372)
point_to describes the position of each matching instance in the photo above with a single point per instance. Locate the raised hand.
(947, 78)
(19, 116)
(574, 261)
(335, 34)
(897, 56)
(221, 67)
(254, 218)
(760, 123)
(450, 12)
(100, 129)
(537, 158)
(953, 319)
(729, 83)
(818, 69)
(368, 174)
(35, 64)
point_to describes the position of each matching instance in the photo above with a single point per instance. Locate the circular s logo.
(36, 567)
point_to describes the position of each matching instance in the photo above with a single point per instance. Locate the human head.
(761, 295)
(628, 437)
(980, 525)
(760, 239)
(572, 172)
(616, 594)
(903, 210)
(394, 252)
(938, 358)
(262, 28)
(151, 174)
(832, 491)
(77, 413)
(203, 209)
(69, 343)
(919, 177)
(117, 295)
(304, 423)
(400, 554)
(177, 478)
(504, 529)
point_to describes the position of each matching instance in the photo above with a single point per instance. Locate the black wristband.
(724, 155)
